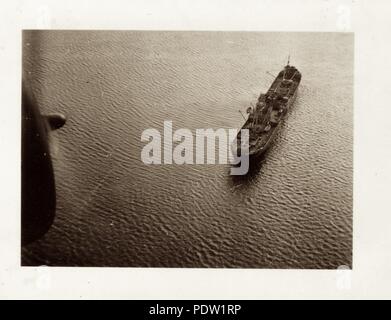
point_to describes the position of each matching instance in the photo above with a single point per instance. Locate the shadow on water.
(254, 171)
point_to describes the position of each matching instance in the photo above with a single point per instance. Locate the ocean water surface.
(293, 210)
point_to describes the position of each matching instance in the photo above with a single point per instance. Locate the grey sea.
(293, 209)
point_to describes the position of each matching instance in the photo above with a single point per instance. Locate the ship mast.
(242, 115)
(287, 65)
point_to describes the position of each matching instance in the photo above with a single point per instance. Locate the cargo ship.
(265, 118)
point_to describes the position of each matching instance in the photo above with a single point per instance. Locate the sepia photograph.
(187, 149)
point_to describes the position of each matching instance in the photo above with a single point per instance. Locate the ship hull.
(266, 118)
(258, 154)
